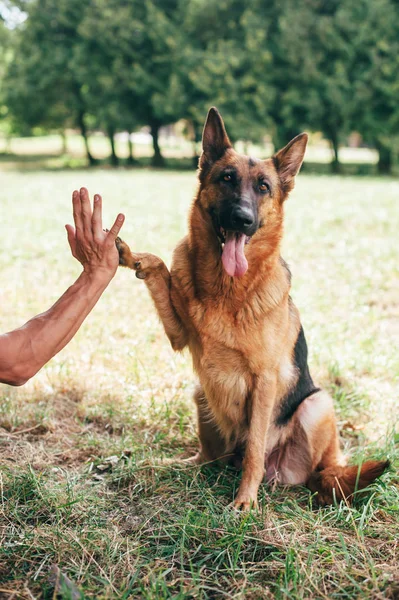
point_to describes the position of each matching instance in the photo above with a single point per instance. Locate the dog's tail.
(341, 483)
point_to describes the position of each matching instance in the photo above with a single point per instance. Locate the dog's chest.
(234, 342)
(227, 360)
(231, 349)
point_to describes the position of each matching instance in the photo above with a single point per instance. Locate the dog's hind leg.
(313, 443)
(317, 459)
(157, 278)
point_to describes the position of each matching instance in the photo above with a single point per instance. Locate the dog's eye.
(264, 187)
(227, 177)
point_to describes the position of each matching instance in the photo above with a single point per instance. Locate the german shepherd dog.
(227, 297)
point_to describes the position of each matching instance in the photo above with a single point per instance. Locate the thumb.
(113, 232)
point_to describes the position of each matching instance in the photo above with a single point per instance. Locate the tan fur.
(241, 331)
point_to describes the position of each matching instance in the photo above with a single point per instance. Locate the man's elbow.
(15, 381)
(17, 377)
(18, 381)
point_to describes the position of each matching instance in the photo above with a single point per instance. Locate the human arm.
(24, 351)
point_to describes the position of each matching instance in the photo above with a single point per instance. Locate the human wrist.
(97, 277)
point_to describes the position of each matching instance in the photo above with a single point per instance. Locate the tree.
(5, 56)
(278, 66)
(155, 78)
(335, 67)
(127, 63)
(376, 85)
(275, 67)
(225, 63)
(42, 87)
(5, 36)
(98, 65)
(311, 58)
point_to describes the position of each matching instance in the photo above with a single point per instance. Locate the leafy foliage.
(273, 67)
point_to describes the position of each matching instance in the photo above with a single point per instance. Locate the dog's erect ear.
(288, 160)
(215, 140)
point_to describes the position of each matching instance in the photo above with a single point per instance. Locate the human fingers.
(77, 211)
(97, 222)
(86, 212)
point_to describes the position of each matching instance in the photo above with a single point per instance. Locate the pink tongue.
(233, 256)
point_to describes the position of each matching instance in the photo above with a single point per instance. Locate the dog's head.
(243, 195)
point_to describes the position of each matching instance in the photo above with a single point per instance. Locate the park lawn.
(81, 483)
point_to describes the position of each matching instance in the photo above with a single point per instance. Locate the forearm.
(25, 350)
(263, 398)
(158, 280)
(159, 287)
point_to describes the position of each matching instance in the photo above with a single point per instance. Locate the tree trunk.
(385, 160)
(157, 159)
(130, 159)
(7, 149)
(111, 137)
(335, 164)
(83, 130)
(197, 136)
(64, 142)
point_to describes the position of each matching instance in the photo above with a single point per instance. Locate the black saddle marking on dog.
(304, 387)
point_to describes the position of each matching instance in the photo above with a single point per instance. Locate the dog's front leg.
(157, 278)
(262, 402)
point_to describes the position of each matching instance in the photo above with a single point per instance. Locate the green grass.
(81, 483)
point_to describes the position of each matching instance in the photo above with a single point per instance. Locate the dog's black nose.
(242, 218)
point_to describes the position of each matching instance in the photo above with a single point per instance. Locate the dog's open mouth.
(233, 257)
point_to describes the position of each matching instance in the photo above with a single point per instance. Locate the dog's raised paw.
(124, 253)
(144, 264)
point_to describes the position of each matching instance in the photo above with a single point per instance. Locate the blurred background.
(129, 82)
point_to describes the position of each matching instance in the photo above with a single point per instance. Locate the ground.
(81, 486)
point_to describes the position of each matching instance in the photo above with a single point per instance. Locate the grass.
(81, 486)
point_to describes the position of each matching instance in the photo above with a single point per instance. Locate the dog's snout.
(242, 218)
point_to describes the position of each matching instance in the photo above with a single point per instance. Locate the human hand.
(93, 247)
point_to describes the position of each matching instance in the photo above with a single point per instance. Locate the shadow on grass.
(56, 162)
(11, 157)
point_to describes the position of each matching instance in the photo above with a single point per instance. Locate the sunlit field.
(82, 486)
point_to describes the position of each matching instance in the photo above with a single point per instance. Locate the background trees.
(42, 85)
(5, 57)
(376, 81)
(274, 67)
(125, 61)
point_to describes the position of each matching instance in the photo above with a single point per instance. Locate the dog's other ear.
(288, 161)
(215, 140)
